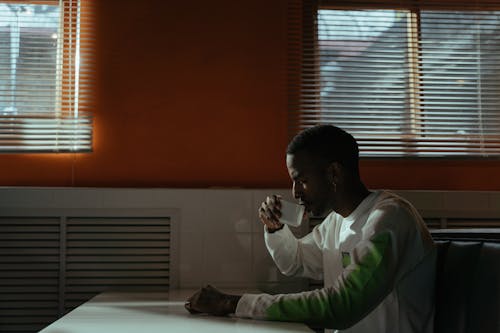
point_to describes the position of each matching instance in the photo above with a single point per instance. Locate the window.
(45, 76)
(415, 80)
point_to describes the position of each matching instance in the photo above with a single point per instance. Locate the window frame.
(303, 38)
(69, 127)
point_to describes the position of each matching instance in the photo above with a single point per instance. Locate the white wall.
(220, 239)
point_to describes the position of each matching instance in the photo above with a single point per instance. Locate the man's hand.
(210, 300)
(270, 213)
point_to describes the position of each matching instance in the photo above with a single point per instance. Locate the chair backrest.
(468, 287)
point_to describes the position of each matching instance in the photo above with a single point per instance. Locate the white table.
(156, 313)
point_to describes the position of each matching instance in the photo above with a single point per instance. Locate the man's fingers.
(270, 224)
(190, 299)
(265, 219)
(211, 301)
(212, 288)
(277, 200)
(263, 214)
(191, 302)
(274, 205)
(188, 307)
(270, 210)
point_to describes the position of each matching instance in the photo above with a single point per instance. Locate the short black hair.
(329, 143)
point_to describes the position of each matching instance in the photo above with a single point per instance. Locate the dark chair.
(468, 284)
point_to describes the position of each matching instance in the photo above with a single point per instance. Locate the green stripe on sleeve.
(359, 291)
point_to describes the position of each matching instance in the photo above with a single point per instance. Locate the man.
(373, 250)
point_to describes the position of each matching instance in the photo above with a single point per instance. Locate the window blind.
(407, 79)
(46, 72)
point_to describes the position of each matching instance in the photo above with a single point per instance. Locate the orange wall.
(192, 94)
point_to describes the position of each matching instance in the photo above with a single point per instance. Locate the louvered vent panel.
(115, 254)
(452, 223)
(29, 273)
(433, 223)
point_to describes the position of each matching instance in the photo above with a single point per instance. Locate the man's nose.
(296, 191)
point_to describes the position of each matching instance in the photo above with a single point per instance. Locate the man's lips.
(305, 204)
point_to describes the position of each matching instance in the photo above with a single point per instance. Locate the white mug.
(291, 213)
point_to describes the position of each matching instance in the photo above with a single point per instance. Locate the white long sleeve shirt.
(378, 267)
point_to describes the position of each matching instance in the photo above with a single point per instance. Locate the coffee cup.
(291, 213)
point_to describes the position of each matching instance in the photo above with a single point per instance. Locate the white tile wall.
(227, 259)
(424, 200)
(22, 197)
(494, 199)
(227, 211)
(220, 235)
(466, 201)
(191, 247)
(263, 267)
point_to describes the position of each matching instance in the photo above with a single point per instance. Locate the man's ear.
(334, 172)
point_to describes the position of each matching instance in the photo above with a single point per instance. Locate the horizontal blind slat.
(365, 73)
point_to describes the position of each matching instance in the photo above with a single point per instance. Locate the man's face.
(310, 182)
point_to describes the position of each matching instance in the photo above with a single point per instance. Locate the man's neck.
(350, 199)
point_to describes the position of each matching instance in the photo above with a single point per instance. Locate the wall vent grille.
(53, 261)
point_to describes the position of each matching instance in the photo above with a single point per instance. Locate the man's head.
(322, 162)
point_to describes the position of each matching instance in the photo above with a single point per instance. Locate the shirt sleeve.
(298, 257)
(369, 278)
